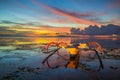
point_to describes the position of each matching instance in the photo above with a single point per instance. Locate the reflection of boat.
(74, 61)
(75, 54)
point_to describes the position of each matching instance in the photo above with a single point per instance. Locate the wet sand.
(31, 68)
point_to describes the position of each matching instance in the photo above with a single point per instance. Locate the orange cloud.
(56, 29)
(37, 31)
(48, 31)
(62, 13)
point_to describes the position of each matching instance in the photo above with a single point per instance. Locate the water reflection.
(60, 57)
(26, 43)
(16, 51)
(105, 43)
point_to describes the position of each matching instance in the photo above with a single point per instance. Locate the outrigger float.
(74, 52)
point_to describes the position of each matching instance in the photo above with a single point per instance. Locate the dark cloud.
(8, 22)
(2, 28)
(16, 23)
(92, 16)
(95, 30)
(81, 15)
(97, 19)
(84, 15)
(7, 32)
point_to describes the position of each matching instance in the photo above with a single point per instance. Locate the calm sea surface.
(6, 43)
(26, 52)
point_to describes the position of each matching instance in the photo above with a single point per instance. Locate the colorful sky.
(33, 17)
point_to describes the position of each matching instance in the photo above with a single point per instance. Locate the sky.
(48, 16)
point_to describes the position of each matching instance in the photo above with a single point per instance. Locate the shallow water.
(27, 53)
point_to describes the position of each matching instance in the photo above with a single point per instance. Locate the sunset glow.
(59, 39)
(38, 17)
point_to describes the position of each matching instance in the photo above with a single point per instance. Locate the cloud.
(2, 28)
(95, 30)
(115, 21)
(114, 5)
(70, 16)
(85, 14)
(28, 8)
(6, 30)
(11, 32)
(8, 22)
(16, 23)
(20, 30)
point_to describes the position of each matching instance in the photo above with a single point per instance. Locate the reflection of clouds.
(48, 40)
(104, 42)
(79, 60)
(114, 39)
(35, 40)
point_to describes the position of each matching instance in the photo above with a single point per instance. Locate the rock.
(21, 68)
(114, 68)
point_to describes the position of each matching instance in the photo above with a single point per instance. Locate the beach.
(21, 59)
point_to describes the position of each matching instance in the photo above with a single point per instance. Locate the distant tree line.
(95, 30)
